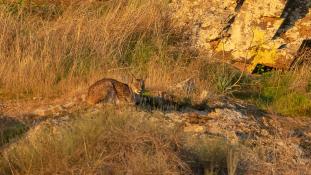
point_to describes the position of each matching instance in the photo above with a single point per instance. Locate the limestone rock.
(296, 35)
(194, 128)
(254, 26)
(208, 18)
(254, 32)
(49, 110)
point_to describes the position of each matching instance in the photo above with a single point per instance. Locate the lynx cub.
(112, 91)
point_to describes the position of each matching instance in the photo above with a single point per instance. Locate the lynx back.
(113, 91)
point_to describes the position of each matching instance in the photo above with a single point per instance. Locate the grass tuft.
(279, 92)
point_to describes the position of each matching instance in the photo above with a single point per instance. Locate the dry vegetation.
(49, 49)
(285, 93)
(112, 143)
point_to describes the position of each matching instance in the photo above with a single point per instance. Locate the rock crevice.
(268, 32)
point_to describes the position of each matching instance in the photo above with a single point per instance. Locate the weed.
(281, 92)
(223, 78)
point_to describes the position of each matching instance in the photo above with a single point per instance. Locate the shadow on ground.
(10, 129)
(170, 104)
(165, 104)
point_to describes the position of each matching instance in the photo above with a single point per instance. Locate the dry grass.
(285, 93)
(43, 55)
(113, 142)
(51, 49)
(102, 143)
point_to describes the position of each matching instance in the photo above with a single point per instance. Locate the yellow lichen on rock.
(253, 31)
(263, 52)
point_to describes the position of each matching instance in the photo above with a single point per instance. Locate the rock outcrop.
(269, 144)
(250, 32)
(273, 144)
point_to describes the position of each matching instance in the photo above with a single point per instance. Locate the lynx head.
(137, 85)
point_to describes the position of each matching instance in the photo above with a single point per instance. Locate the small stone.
(83, 97)
(40, 112)
(69, 104)
(280, 143)
(194, 128)
(56, 109)
(154, 119)
(175, 118)
(264, 132)
(212, 128)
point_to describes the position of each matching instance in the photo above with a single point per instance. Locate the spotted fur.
(112, 91)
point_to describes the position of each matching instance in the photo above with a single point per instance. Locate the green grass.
(280, 92)
(293, 104)
(224, 78)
